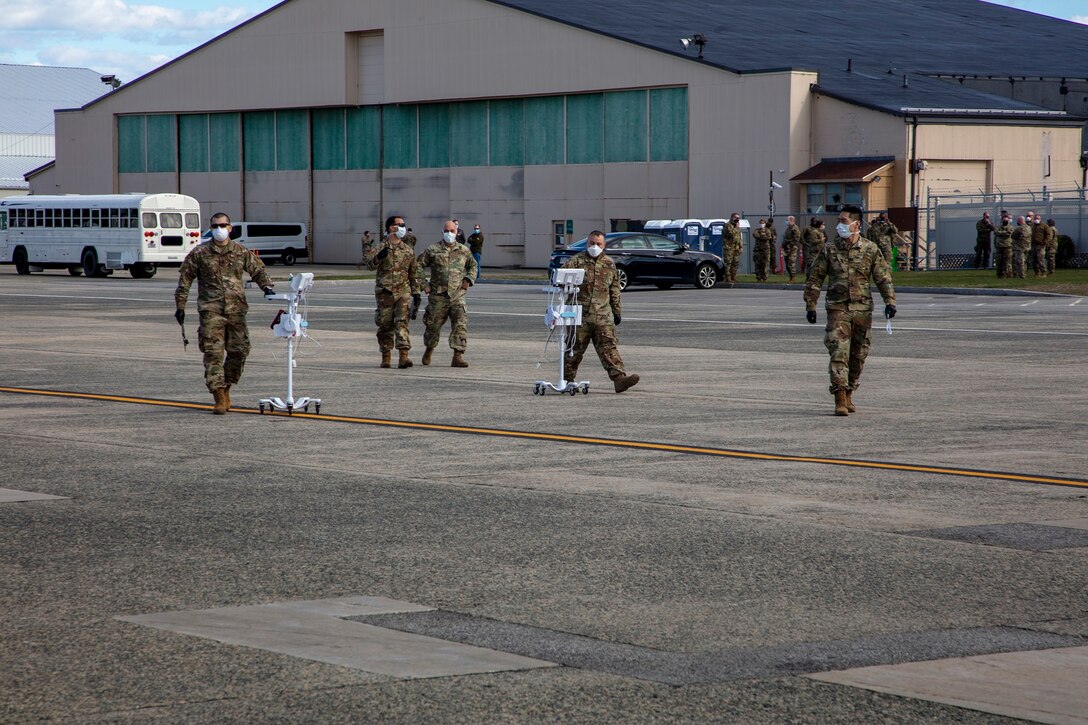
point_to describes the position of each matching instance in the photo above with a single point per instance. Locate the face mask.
(594, 251)
(220, 235)
(401, 232)
(843, 230)
(761, 226)
(476, 230)
(449, 237)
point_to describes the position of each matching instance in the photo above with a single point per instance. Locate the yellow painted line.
(580, 440)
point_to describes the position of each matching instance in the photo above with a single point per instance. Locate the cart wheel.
(585, 390)
(573, 389)
(260, 407)
(290, 410)
(317, 408)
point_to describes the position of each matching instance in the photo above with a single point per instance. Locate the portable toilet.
(747, 265)
(692, 233)
(664, 227)
(714, 229)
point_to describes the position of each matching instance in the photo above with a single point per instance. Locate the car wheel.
(663, 285)
(621, 274)
(706, 276)
(22, 262)
(142, 270)
(288, 257)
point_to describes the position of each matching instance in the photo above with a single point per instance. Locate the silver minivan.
(283, 241)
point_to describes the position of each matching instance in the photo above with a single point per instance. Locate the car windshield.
(610, 241)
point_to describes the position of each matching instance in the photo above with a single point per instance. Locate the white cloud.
(1080, 19)
(113, 16)
(125, 65)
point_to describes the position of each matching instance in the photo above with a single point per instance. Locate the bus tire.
(89, 261)
(288, 257)
(142, 270)
(22, 262)
(75, 270)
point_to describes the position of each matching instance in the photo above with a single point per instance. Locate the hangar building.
(523, 114)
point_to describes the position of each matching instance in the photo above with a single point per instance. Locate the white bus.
(95, 235)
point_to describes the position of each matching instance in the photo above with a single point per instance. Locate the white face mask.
(449, 237)
(594, 251)
(401, 232)
(843, 230)
(761, 226)
(220, 235)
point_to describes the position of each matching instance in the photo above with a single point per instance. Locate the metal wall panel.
(371, 71)
(162, 143)
(328, 138)
(225, 141)
(292, 140)
(364, 137)
(434, 136)
(468, 134)
(585, 128)
(400, 136)
(260, 140)
(669, 124)
(505, 132)
(625, 126)
(131, 144)
(545, 130)
(193, 142)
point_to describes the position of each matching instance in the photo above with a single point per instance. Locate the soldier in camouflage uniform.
(1038, 247)
(849, 263)
(453, 270)
(599, 297)
(791, 244)
(217, 266)
(1003, 246)
(761, 255)
(772, 254)
(814, 240)
(732, 247)
(394, 285)
(881, 233)
(1051, 246)
(1021, 245)
(983, 229)
(410, 240)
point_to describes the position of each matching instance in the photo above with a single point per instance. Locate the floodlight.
(696, 39)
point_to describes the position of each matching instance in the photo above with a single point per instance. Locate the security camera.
(111, 80)
(776, 185)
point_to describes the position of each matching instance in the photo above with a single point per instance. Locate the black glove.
(889, 311)
(268, 291)
(618, 318)
(811, 317)
(417, 299)
(179, 315)
(382, 254)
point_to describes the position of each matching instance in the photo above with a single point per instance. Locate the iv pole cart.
(564, 313)
(291, 325)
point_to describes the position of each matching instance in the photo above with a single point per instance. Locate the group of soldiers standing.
(1029, 241)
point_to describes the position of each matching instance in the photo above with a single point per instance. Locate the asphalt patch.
(1028, 537)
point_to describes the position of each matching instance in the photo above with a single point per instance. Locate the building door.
(559, 233)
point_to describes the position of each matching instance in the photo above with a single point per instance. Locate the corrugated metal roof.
(30, 93)
(919, 37)
(843, 170)
(12, 169)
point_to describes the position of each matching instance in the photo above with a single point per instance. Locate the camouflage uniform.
(791, 244)
(882, 233)
(1003, 249)
(1021, 244)
(410, 240)
(772, 257)
(1038, 248)
(476, 245)
(599, 297)
(451, 265)
(393, 289)
(732, 246)
(221, 302)
(1051, 248)
(983, 229)
(761, 255)
(849, 304)
(814, 240)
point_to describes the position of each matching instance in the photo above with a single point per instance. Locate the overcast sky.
(131, 37)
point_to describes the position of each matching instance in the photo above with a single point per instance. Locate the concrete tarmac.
(165, 565)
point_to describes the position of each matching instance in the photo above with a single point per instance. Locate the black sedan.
(643, 258)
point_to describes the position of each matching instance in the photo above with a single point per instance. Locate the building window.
(830, 198)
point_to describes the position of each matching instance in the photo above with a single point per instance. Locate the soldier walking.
(1003, 246)
(732, 247)
(791, 244)
(599, 297)
(217, 266)
(761, 255)
(814, 240)
(881, 233)
(453, 270)
(983, 229)
(1038, 247)
(850, 262)
(1021, 244)
(394, 285)
(1051, 246)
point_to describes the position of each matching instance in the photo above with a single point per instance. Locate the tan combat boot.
(427, 356)
(791, 280)
(226, 396)
(458, 360)
(840, 403)
(220, 402)
(850, 402)
(404, 362)
(624, 382)
(387, 359)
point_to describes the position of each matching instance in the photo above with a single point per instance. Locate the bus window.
(133, 218)
(85, 218)
(39, 217)
(47, 220)
(150, 220)
(170, 220)
(192, 221)
(3, 220)
(96, 218)
(67, 218)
